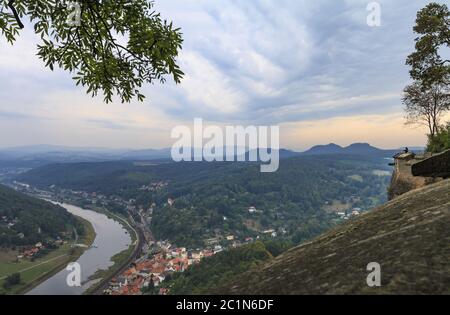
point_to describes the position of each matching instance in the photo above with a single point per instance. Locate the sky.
(314, 68)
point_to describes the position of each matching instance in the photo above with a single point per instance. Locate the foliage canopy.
(433, 28)
(113, 47)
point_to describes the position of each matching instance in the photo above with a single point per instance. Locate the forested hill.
(25, 220)
(213, 199)
(408, 237)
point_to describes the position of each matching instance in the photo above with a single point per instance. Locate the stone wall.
(435, 166)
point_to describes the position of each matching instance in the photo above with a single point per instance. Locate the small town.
(149, 272)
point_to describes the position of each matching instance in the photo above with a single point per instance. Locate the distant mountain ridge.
(64, 154)
(353, 149)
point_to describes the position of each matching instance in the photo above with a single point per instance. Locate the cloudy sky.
(313, 67)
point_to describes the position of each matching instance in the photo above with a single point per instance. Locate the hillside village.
(149, 272)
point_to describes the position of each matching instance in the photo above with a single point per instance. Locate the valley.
(188, 213)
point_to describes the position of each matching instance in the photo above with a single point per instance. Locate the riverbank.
(112, 238)
(35, 273)
(120, 260)
(119, 218)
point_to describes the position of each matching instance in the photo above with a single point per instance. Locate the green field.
(357, 178)
(34, 272)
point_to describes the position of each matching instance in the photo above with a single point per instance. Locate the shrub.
(12, 280)
(441, 141)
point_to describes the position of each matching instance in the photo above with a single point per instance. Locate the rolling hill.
(213, 199)
(25, 220)
(353, 149)
(49, 154)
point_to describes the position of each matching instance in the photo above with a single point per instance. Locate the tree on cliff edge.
(433, 29)
(427, 99)
(110, 46)
(426, 106)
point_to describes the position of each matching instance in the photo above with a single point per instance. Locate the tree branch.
(16, 15)
(443, 62)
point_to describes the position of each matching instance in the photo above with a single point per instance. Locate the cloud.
(287, 62)
(275, 61)
(106, 124)
(13, 115)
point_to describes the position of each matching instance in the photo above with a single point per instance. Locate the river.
(110, 240)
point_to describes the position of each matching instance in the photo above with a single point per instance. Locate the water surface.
(110, 240)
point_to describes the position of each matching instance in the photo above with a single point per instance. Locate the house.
(170, 202)
(252, 210)
(230, 238)
(218, 249)
(30, 253)
(236, 244)
(163, 291)
(208, 253)
(212, 241)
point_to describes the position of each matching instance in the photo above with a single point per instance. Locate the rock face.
(409, 237)
(403, 179)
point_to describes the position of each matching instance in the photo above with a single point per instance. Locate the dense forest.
(289, 201)
(213, 199)
(25, 220)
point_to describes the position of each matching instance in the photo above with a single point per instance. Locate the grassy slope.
(409, 237)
